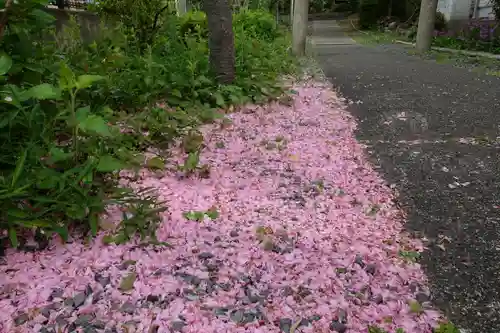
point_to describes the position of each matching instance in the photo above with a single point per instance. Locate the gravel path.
(307, 240)
(434, 131)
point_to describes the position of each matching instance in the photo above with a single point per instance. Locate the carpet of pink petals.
(295, 171)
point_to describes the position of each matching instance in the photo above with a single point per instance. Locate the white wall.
(485, 9)
(461, 9)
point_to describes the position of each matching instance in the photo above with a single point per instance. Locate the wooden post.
(426, 22)
(292, 4)
(299, 27)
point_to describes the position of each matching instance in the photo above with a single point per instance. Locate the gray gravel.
(432, 129)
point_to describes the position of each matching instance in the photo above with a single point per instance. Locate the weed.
(199, 216)
(410, 256)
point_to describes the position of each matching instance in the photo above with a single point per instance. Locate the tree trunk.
(220, 39)
(426, 22)
(299, 27)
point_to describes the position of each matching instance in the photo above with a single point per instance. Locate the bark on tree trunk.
(426, 22)
(220, 39)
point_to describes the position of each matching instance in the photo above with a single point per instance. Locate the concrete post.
(299, 27)
(426, 21)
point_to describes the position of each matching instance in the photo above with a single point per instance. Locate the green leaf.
(13, 237)
(5, 64)
(66, 78)
(94, 221)
(92, 123)
(212, 213)
(108, 163)
(219, 100)
(58, 155)
(194, 216)
(44, 91)
(19, 168)
(156, 163)
(42, 16)
(192, 161)
(85, 81)
(127, 282)
(415, 307)
(48, 179)
(77, 212)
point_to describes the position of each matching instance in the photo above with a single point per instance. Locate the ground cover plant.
(76, 112)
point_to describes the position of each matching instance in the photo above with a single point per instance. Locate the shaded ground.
(433, 130)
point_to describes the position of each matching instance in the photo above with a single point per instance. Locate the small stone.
(21, 319)
(99, 324)
(61, 320)
(212, 267)
(128, 307)
(287, 291)
(152, 298)
(56, 293)
(124, 265)
(422, 298)
(315, 318)
(303, 292)
(224, 286)
(154, 329)
(177, 326)
(371, 269)
(359, 260)
(79, 299)
(217, 239)
(342, 316)
(47, 309)
(378, 299)
(102, 280)
(338, 327)
(205, 255)
(96, 297)
(83, 320)
(88, 290)
(45, 330)
(221, 311)
(237, 316)
(285, 324)
(414, 286)
(234, 233)
(248, 317)
(191, 279)
(68, 302)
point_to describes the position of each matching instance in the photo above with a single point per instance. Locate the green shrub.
(440, 23)
(142, 18)
(194, 23)
(62, 100)
(259, 24)
(368, 14)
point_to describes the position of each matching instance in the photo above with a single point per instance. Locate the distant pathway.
(434, 131)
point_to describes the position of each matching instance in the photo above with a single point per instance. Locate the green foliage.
(440, 23)
(142, 18)
(368, 14)
(259, 24)
(75, 114)
(446, 327)
(194, 23)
